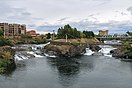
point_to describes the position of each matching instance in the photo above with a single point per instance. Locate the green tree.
(89, 34)
(48, 36)
(69, 31)
(1, 32)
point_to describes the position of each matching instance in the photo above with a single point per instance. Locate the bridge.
(115, 36)
(107, 44)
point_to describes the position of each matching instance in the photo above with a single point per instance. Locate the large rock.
(65, 50)
(122, 52)
(94, 48)
(118, 53)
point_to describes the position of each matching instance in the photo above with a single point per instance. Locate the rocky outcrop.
(94, 48)
(122, 52)
(69, 50)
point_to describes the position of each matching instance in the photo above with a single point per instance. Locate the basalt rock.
(94, 48)
(69, 50)
(125, 53)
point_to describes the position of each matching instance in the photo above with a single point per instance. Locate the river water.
(79, 72)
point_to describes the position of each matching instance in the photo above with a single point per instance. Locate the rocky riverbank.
(124, 52)
(7, 62)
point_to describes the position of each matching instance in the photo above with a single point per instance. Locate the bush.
(4, 41)
(7, 55)
(6, 65)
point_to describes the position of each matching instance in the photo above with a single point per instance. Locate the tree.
(48, 36)
(73, 33)
(129, 33)
(89, 34)
(69, 31)
(1, 32)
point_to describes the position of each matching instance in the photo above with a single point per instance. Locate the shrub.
(4, 41)
(7, 55)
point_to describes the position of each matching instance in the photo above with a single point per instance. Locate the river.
(79, 72)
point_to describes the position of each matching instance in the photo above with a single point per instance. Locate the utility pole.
(4, 32)
(66, 37)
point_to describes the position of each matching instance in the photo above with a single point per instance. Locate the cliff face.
(7, 62)
(65, 50)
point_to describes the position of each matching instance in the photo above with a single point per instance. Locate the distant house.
(33, 33)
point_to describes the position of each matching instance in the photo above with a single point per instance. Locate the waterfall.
(88, 52)
(26, 54)
(105, 49)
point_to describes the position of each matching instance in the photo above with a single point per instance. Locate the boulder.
(65, 50)
(94, 48)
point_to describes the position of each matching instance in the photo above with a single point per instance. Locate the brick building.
(13, 29)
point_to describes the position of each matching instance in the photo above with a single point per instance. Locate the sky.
(48, 15)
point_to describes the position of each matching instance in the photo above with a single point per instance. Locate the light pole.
(66, 37)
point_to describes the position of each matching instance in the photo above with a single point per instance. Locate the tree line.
(73, 33)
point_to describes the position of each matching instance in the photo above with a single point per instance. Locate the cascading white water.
(53, 56)
(19, 57)
(105, 49)
(27, 54)
(88, 52)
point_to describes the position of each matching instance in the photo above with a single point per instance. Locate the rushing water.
(79, 72)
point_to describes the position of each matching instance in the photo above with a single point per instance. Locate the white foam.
(17, 58)
(88, 52)
(20, 57)
(34, 54)
(53, 56)
(105, 49)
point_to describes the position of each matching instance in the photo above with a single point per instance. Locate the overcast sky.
(48, 15)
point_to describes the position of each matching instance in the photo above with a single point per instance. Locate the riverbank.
(7, 62)
(123, 52)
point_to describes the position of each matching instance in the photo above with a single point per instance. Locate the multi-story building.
(13, 29)
(103, 32)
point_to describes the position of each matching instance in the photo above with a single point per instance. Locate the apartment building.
(13, 29)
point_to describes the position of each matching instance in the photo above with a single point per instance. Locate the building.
(13, 29)
(103, 32)
(33, 33)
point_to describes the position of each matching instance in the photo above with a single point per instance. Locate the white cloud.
(45, 15)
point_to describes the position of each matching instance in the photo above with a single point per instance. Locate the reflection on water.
(69, 68)
(78, 72)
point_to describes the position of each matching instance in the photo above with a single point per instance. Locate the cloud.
(48, 15)
(130, 9)
(95, 26)
(12, 14)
